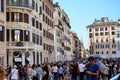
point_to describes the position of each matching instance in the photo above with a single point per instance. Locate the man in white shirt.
(81, 68)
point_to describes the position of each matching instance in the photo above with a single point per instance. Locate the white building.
(102, 38)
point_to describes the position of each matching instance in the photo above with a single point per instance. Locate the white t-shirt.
(14, 74)
(81, 67)
(55, 69)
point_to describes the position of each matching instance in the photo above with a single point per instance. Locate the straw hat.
(15, 66)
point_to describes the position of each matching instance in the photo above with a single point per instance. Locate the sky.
(83, 13)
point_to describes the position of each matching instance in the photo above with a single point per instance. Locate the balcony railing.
(19, 4)
(21, 44)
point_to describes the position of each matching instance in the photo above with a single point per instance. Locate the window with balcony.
(17, 35)
(18, 17)
(16, 2)
(26, 3)
(1, 5)
(2, 33)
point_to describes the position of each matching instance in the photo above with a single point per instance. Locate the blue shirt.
(92, 68)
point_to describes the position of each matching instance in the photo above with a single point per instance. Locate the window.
(106, 40)
(37, 24)
(7, 16)
(90, 30)
(113, 52)
(40, 40)
(118, 35)
(101, 40)
(2, 60)
(26, 35)
(102, 52)
(33, 21)
(40, 26)
(101, 29)
(96, 40)
(106, 28)
(26, 3)
(112, 28)
(90, 35)
(26, 18)
(106, 33)
(33, 37)
(113, 33)
(107, 52)
(96, 34)
(101, 33)
(96, 29)
(33, 4)
(113, 40)
(2, 33)
(16, 16)
(1, 5)
(36, 7)
(17, 35)
(7, 34)
(40, 10)
(59, 13)
(58, 33)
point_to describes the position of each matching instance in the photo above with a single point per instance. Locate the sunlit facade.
(3, 32)
(102, 38)
(24, 32)
(48, 30)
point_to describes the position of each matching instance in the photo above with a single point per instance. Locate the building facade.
(3, 32)
(24, 32)
(30, 34)
(48, 30)
(66, 38)
(102, 38)
(77, 47)
(59, 34)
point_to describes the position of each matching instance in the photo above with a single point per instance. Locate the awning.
(18, 59)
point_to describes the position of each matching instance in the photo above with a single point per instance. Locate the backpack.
(104, 69)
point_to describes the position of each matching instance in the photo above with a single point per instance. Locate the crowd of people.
(91, 69)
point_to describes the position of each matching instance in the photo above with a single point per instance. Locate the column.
(23, 58)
